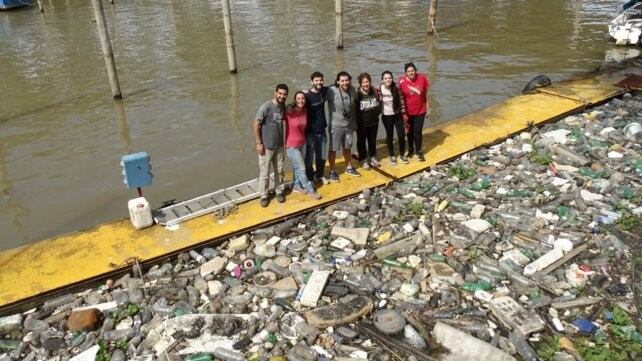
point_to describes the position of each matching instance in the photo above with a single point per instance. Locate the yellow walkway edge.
(60, 262)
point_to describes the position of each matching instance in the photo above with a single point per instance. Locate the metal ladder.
(209, 203)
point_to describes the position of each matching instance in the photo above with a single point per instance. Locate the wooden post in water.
(229, 36)
(432, 16)
(108, 53)
(338, 11)
(41, 6)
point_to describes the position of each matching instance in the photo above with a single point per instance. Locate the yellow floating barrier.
(54, 265)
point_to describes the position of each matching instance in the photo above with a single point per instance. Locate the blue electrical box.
(137, 170)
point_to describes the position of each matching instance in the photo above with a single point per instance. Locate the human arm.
(256, 127)
(428, 88)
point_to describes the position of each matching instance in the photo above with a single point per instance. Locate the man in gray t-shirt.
(342, 107)
(268, 134)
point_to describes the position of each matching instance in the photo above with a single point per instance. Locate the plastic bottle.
(10, 344)
(474, 286)
(394, 263)
(465, 192)
(197, 257)
(480, 185)
(628, 332)
(522, 347)
(228, 355)
(201, 356)
(357, 256)
(270, 265)
(517, 193)
(140, 214)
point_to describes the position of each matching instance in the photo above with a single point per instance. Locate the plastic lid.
(389, 321)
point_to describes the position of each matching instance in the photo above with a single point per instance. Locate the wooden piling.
(338, 10)
(432, 16)
(108, 53)
(41, 6)
(229, 36)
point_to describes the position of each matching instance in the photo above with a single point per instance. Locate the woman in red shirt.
(414, 88)
(296, 120)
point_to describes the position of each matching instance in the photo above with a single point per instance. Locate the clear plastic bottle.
(228, 355)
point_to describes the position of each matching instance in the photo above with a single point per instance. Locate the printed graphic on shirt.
(277, 118)
(368, 104)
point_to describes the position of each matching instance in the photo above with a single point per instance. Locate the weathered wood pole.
(432, 16)
(338, 10)
(229, 36)
(40, 6)
(108, 53)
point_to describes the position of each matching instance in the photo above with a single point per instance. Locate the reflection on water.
(61, 135)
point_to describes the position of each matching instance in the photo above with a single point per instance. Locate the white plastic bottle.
(140, 214)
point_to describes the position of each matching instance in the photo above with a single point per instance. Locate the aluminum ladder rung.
(208, 203)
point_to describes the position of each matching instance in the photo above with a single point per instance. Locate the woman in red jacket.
(414, 88)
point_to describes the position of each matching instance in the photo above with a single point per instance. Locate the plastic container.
(140, 214)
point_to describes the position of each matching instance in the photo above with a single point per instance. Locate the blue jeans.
(298, 168)
(315, 151)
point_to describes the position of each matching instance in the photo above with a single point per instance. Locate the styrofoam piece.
(314, 288)
(463, 346)
(516, 317)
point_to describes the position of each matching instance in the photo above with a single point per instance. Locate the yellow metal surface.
(56, 263)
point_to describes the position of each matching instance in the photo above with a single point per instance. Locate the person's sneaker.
(365, 165)
(334, 176)
(298, 189)
(314, 195)
(393, 160)
(421, 157)
(410, 155)
(280, 198)
(264, 202)
(404, 160)
(352, 171)
(322, 180)
(374, 162)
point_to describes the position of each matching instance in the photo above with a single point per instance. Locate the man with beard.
(342, 100)
(268, 134)
(316, 138)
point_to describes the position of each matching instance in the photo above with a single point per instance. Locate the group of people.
(304, 131)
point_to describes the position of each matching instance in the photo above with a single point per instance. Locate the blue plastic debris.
(137, 170)
(584, 325)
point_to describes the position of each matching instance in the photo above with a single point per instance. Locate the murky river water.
(62, 136)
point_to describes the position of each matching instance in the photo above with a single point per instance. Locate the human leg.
(264, 174)
(320, 150)
(408, 130)
(371, 135)
(388, 124)
(417, 128)
(361, 143)
(278, 160)
(298, 168)
(310, 155)
(347, 153)
(294, 154)
(401, 134)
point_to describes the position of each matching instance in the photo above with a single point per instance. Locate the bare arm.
(256, 127)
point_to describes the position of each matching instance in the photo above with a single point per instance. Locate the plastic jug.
(139, 213)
